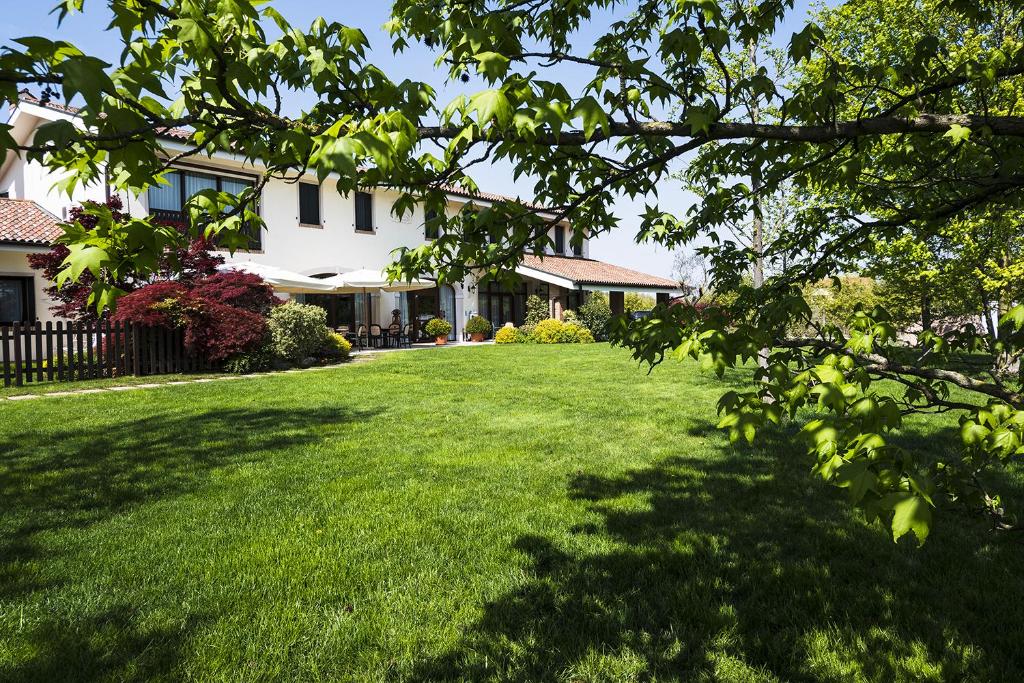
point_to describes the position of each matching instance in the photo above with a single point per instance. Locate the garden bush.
(257, 360)
(549, 331)
(478, 325)
(506, 335)
(214, 328)
(242, 290)
(297, 331)
(595, 314)
(537, 309)
(335, 347)
(438, 327)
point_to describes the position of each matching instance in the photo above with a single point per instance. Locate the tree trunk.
(926, 310)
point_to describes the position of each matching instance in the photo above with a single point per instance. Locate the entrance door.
(425, 304)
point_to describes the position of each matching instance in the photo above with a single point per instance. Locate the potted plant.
(478, 327)
(439, 329)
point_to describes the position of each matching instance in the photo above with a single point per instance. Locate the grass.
(56, 387)
(507, 513)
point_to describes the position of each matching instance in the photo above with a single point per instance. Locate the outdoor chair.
(405, 339)
(362, 337)
(376, 338)
(394, 335)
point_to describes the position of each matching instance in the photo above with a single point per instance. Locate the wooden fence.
(66, 352)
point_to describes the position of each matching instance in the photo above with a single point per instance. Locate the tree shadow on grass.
(71, 478)
(741, 567)
(59, 479)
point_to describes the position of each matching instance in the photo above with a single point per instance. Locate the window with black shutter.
(577, 249)
(309, 204)
(559, 239)
(432, 226)
(364, 212)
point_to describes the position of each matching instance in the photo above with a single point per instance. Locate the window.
(309, 204)
(577, 249)
(167, 202)
(364, 212)
(559, 239)
(431, 226)
(16, 300)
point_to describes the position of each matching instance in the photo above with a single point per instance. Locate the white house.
(310, 230)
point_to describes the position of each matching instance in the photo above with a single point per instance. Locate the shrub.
(242, 290)
(548, 331)
(536, 310)
(297, 331)
(259, 359)
(438, 327)
(186, 263)
(570, 318)
(595, 314)
(576, 334)
(335, 347)
(506, 335)
(214, 328)
(478, 325)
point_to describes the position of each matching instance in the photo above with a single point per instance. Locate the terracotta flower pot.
(440, 341)
(477, 336)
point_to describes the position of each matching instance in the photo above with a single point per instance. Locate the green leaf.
(492, 65)
(593, 115)
(912, 513)
(491, 105)
(957, 133)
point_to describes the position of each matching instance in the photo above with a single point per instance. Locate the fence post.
(5, 356)
(60, 351)
(49, 350)
(16, 338)
(27, 357)
(136, 365)
(37, 332)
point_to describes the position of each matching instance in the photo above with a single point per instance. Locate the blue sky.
(88, 33)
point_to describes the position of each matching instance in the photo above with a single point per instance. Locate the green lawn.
(510, 513)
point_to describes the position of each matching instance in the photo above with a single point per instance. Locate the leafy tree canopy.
(886, 118)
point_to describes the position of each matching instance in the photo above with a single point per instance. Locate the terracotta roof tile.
(25, 222)
(590, 272)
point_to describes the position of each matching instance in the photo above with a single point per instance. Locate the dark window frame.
(256, 240)
(28, 298)
(577, 249)
(429, 233)
(367, 197)
(319, 222)
(560, 240)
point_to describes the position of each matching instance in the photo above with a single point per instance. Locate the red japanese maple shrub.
(241, 290)
(186, 264)
(222, 315)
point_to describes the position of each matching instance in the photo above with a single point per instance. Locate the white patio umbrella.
(366, 279)
(280, 279)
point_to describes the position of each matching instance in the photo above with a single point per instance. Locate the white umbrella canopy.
(365, 278)
(280, 279)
